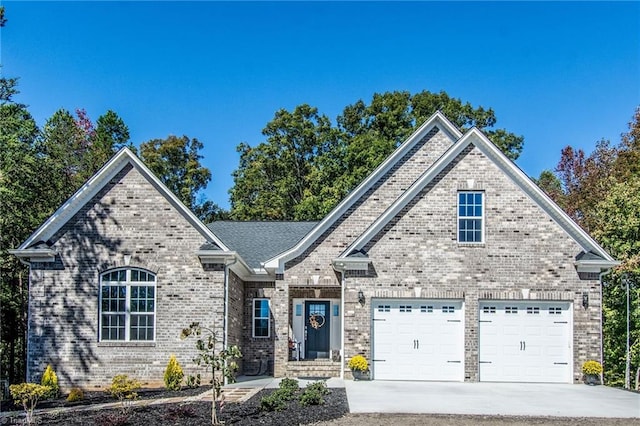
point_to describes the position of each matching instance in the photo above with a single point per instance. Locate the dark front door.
(317, 327)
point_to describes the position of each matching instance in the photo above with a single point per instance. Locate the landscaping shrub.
(592, 367)
(123, 389)
(193, 381)
(112, 419)
(313, 394)
(75, 394)
(27, 395)
(276, 401)
(50, 379)
(173, 374)
(288, 383)
(180, 411)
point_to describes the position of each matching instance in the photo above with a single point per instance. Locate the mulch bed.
(199, 413)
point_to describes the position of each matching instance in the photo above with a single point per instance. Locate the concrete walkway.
(505, 399)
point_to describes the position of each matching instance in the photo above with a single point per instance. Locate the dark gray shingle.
(257, 242)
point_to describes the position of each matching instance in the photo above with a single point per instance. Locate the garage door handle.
(456, 362)
(485, 321)
(379, 319)
(379, 360)
(560, 322)
(485, 362)
(560, 363)
(453, 320)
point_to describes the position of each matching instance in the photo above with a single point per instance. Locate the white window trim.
(254, 318)
(127, 320)
(482, 218)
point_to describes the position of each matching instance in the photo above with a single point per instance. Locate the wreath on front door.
(316, 320)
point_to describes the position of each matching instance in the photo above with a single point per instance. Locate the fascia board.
(77, 200)
(40, 255)
(437, 119)
(408, 195)
(96, 183)
(538, 196)
(478, 139)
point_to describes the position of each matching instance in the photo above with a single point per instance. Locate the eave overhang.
(35, 255)
(595, 266)
(351, 264)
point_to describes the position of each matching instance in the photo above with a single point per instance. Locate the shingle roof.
(257, 242)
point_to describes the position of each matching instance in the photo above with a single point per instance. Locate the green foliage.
(289, 383)
(220, 360)
(173, 374)
(313, 394)
(592, 367)
(75, 394)
(276, 400)
(307, 165)
(359, 363)
(27, 395)
(600, 192)
(124, 389)
(193, 381)
(50, 379)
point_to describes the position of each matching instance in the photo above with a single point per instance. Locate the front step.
(313, 368)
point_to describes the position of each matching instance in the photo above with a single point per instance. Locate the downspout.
(225, 321)
(27, 341)
(600, 277)
(342, 316)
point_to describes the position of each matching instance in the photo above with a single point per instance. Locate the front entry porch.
(315, 333)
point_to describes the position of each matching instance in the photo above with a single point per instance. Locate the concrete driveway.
(508, 399)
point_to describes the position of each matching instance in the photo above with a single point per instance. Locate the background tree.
(20, 178)
(601, 191)
(306, 165)
(176, 162)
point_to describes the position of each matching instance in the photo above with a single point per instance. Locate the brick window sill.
(126, 344)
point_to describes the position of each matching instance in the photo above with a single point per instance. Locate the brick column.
(280, 307)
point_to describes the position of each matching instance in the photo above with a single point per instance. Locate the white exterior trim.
(96, 183)
(510, 169)
(436, 120)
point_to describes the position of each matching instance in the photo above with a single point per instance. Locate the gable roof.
(436, 120)
(87, 191)
(257, 241)
(479, 140)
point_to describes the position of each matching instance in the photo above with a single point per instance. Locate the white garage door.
(418, 340)
(525, 342)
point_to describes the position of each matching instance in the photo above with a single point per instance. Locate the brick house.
(446, 263)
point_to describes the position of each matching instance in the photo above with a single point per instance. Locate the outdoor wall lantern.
(585, 300)
(361, 298)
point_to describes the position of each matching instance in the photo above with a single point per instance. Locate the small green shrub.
(313, 394)
(75, 394)
(173, 374)
(123, 389)
(27, 395)
(50, 379)
(359, 363)
(276, 401)
(592, 367)
(288, 383)
(193, 381)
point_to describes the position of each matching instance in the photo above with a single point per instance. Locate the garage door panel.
(525, 341)
(427, 341)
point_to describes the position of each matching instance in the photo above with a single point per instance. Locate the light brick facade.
(414, 254)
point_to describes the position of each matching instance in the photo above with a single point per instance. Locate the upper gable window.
(127, 305)
(470, 217)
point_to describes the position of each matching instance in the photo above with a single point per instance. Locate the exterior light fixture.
(361, 297)
(585, 300)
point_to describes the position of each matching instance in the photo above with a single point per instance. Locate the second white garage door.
(525, 341)
(418, 339)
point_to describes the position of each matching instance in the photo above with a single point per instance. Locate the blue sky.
(558, 73)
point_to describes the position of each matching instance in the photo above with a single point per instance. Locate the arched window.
(127, 305)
